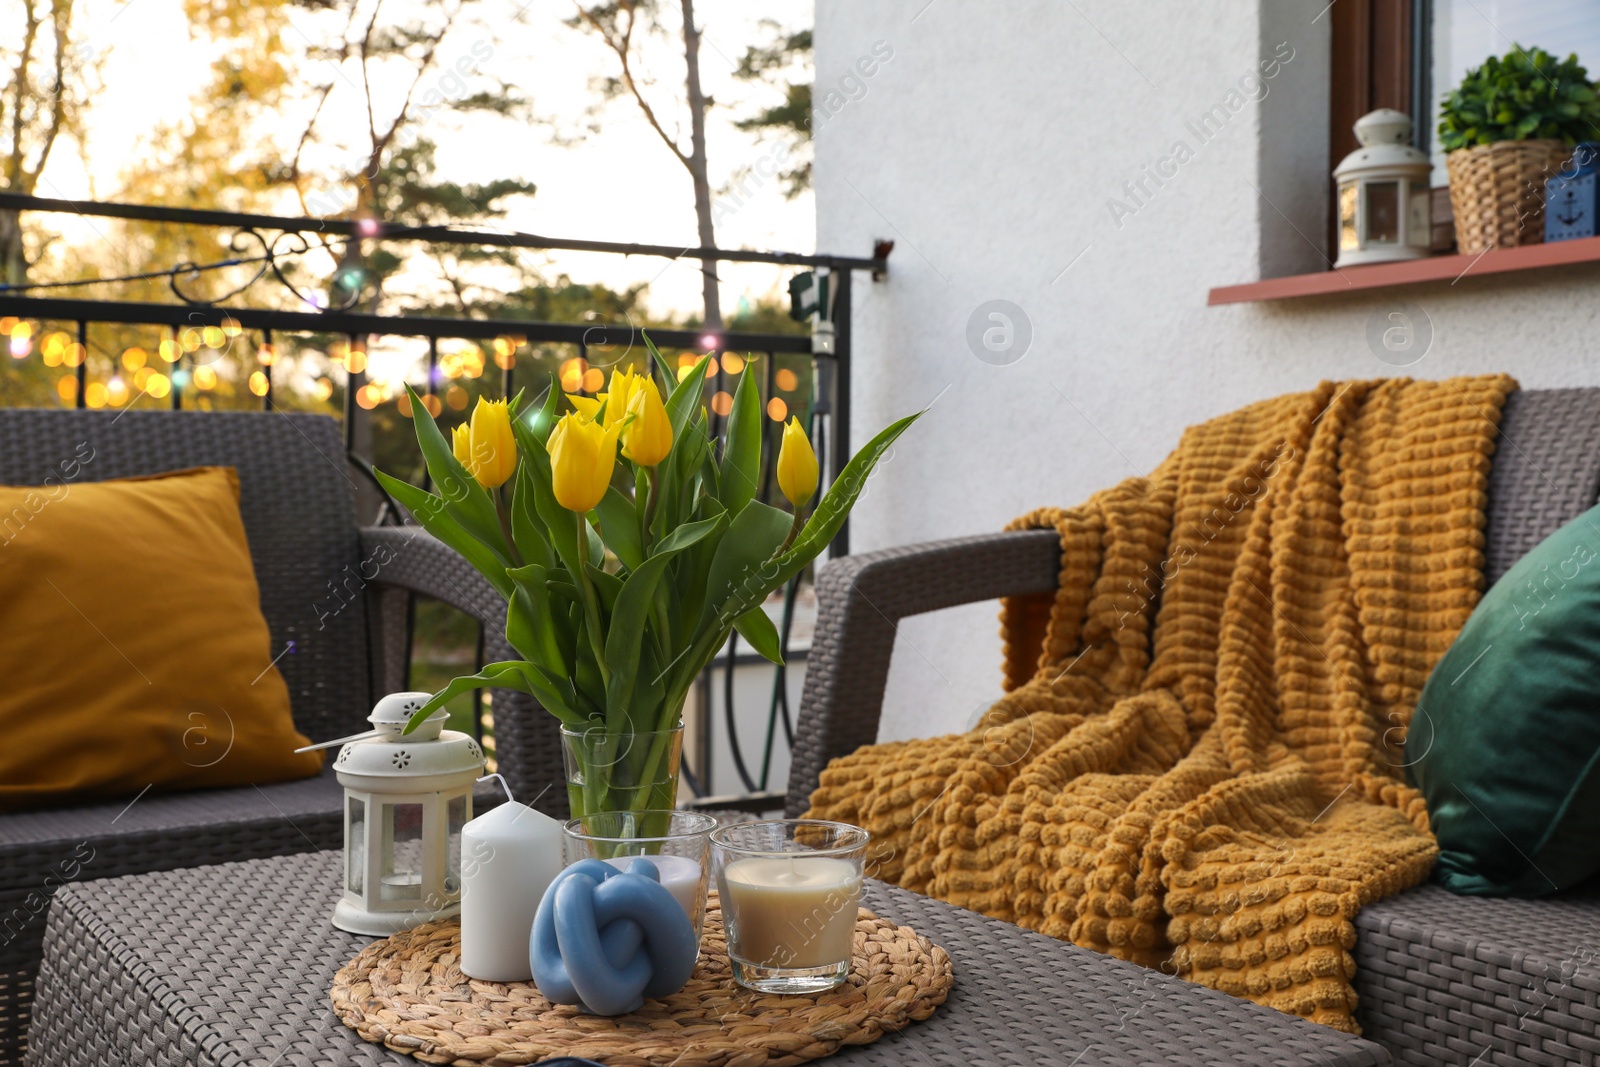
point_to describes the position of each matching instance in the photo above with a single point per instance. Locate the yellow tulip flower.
(797, 465)
(583, 454)
(491, 447)
(647, 437)
(624, 384)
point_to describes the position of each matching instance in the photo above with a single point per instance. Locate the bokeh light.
(505, 352)
(21, 339)
(267, 355)
(787, 380)
(67, 389)
(456, 397)
(169, 351)
(95, 395)
(134, 358)
(355, 360)
(73, 356)
(777, 410)
(258, 383)
(213, 336)
(722, 403)
(594, 379)
(323, 389)
(368, 397)
(157, 385)
(433, 404)
(205, 378)
(117, 391)
(190, 339)
(403, 405)
(572, 372)
(54, 347)
(732, 362)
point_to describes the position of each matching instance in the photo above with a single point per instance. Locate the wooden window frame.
(1379, 58)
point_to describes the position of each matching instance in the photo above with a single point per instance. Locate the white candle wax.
(509, 857)
(680, 875)
(791, 912)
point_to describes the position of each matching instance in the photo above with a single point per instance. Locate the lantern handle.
(497, 777)
(338, 741)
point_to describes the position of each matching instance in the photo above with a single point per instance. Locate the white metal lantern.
(1384, 210)
(405, 801)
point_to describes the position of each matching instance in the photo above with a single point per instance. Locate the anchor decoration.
(1572, 196)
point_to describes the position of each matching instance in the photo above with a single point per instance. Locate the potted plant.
(627, 546)
(1510, 124)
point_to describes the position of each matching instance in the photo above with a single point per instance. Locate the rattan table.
(231, 965)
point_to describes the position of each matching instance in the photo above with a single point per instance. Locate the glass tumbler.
(790, 891)
(675, 841)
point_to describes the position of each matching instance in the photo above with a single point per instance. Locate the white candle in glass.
(509, 857)
(680, 876)
(797, 911)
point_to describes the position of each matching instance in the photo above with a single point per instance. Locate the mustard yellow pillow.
(133, 652)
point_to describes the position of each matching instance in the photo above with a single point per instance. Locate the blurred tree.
(47, 78)
(621, 25)
(783, 62)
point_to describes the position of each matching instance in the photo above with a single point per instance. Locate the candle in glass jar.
(680, 876)
(792, 912)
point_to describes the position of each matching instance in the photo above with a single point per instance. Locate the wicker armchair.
(327, 587)
(1442, 979)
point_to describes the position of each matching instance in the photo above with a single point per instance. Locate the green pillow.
(1506, 737)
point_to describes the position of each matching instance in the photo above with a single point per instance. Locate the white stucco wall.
(987, 146)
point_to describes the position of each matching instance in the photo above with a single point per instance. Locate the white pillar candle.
(509, 857)
(792, 912)
(680, 875)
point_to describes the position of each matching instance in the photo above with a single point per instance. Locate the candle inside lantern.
(793, 911)
(509, 857)
(680, 876)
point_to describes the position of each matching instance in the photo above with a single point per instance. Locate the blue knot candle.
(605, 939)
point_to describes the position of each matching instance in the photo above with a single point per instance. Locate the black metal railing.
(282, 239)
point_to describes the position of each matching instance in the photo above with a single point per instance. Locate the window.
(1379, 59)
(1465, 32)
(1371, 66)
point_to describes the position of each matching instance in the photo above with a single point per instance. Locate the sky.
(621, 184)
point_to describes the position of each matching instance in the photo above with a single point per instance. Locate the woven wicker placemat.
(407, 992)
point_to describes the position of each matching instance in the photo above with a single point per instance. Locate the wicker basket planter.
(1497, 192)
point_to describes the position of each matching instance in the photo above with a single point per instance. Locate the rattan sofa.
(1442, 979)
(336, 591)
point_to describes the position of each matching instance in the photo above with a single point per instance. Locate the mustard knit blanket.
(1198, 761)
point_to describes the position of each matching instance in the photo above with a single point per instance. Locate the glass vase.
(622, 771)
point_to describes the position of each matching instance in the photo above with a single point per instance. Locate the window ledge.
(1411, 272)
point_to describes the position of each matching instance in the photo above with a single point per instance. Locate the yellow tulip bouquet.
(621, 586)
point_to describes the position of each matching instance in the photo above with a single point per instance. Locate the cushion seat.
(162, 831)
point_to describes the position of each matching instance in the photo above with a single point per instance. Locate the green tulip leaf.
(836, 504)
(531, 625)
(688, 534)
(526, 530)
(619, 527)
(741, 457)
(508, 674)
(739, 571)
(608, 586)
(755, 626)
(468, 501)
(435, 517)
